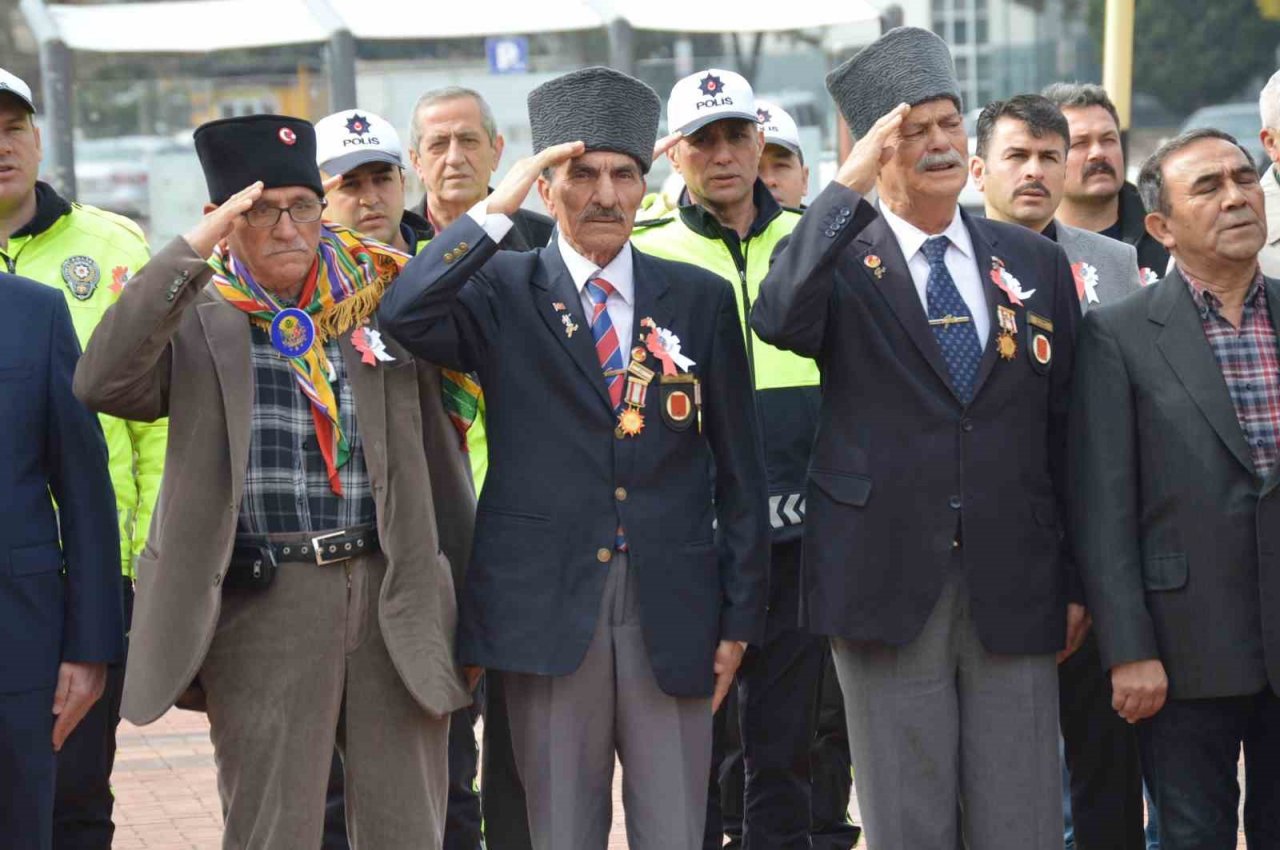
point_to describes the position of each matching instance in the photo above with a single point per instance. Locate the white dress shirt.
(621, 302)
(960, 259)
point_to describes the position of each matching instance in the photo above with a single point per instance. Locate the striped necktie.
(608, 349)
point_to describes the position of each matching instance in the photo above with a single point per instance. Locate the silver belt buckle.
(317, 549)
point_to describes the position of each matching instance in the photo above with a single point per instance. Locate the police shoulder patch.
(81, 275)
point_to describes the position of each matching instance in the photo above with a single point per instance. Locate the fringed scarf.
(342, 289)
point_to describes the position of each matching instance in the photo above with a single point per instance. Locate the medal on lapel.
(566, 318)
(1007, 341)
(292, 332)
(630, 419)
(368, 341)
(873, 262)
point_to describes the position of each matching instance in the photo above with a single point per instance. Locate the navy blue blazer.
(694, 505)
(58, 601)
(902, 469)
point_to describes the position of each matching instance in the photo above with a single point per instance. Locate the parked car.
(1242, 120)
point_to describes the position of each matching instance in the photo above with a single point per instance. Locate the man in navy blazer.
(60, 615)
(934, 552)
(621, 549)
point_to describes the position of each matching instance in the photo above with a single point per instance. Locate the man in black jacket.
(1097, 196)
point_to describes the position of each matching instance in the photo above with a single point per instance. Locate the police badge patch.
(81, 275)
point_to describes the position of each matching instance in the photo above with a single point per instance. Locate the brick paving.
(167, 796)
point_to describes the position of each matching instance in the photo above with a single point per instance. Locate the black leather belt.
(332, 547)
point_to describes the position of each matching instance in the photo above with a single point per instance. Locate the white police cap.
(707, 96)
(354, 137)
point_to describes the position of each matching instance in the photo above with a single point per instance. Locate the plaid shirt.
(1250, 365)
(286, 487)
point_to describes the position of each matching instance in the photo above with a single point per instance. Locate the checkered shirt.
(286, 487)
(1250, 365)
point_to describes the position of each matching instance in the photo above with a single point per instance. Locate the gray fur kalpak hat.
(605, 109)
(905, 65)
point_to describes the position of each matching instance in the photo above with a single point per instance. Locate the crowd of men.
(759, 499)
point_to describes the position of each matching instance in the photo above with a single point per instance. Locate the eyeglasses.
(303, 212)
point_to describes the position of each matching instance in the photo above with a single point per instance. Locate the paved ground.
(166, 792)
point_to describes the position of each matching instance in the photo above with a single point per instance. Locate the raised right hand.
(861, 168)
(513, 189)
(1138, 689)
(217, 224)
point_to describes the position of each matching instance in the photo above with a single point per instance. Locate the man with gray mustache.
(934, 556)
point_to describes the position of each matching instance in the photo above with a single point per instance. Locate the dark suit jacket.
(58, 601)
(1178, 539)
(901, 467)
(560, 482)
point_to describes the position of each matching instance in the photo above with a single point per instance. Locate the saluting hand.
(861, 168)
(666, 143)
(728, 658)
(217, 224)
(513, 189)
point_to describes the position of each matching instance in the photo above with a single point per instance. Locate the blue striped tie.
(609, 351)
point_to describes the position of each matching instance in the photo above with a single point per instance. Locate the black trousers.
(505, 823)
(762, 791)
(1191, 754)
(1102, 756)
(27, 766)
(83, 802)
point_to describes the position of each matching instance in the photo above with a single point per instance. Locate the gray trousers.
(296, 668)
(950, 741)
(566, 729)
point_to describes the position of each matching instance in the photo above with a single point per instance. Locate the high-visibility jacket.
(787, 385)
(89, 254)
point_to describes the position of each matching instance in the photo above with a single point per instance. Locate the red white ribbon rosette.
(1008, 284)
(372, 349)
(1086, 282)
(665, 346)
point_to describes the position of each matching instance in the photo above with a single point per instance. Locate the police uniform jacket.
(560, 481)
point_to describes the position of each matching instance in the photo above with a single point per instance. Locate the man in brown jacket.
(297, 575)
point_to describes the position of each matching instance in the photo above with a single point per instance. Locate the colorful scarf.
(341, 291)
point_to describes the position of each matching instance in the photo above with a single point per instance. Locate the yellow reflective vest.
(89, 254)
(787, 385)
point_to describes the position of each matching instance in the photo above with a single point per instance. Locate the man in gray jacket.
(1020, 166)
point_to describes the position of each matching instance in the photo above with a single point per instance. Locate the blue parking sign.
(508, 54)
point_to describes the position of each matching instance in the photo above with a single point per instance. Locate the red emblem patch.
(287, 136)
(678, 406)
(1041, 349)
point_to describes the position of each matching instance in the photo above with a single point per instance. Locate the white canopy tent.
(202, 26)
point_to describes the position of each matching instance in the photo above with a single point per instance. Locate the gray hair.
(1269, 103)
(1151, 177)
(447, 93)
(1076, 95)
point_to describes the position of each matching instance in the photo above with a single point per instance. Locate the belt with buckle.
(331, 547)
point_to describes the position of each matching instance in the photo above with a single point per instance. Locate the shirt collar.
(581, 270)
(1207, 302)
(911, 238)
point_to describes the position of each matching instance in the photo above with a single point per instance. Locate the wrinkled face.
(279, 257)
(784, 174)
(369, 199)
(929, 161)
(1022, 176)
(1215, 204)
(594, 199)
(1095, 162)
(719, 162)
(19, 152)
(455, 156)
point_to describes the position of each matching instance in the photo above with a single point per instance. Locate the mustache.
(931, 160)
(1029, 186)
(1099, 167)
(595, 212)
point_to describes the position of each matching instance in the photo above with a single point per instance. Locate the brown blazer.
(173, 347)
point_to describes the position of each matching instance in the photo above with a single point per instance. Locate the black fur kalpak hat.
(605, 109)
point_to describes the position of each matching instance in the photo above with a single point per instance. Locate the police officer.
(782, 166)
(730, 223)
(88, 254)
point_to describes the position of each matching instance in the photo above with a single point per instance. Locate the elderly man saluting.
(933, 541)
(294, 576)
(608, 588)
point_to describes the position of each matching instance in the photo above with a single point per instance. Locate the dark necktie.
(951, 320)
